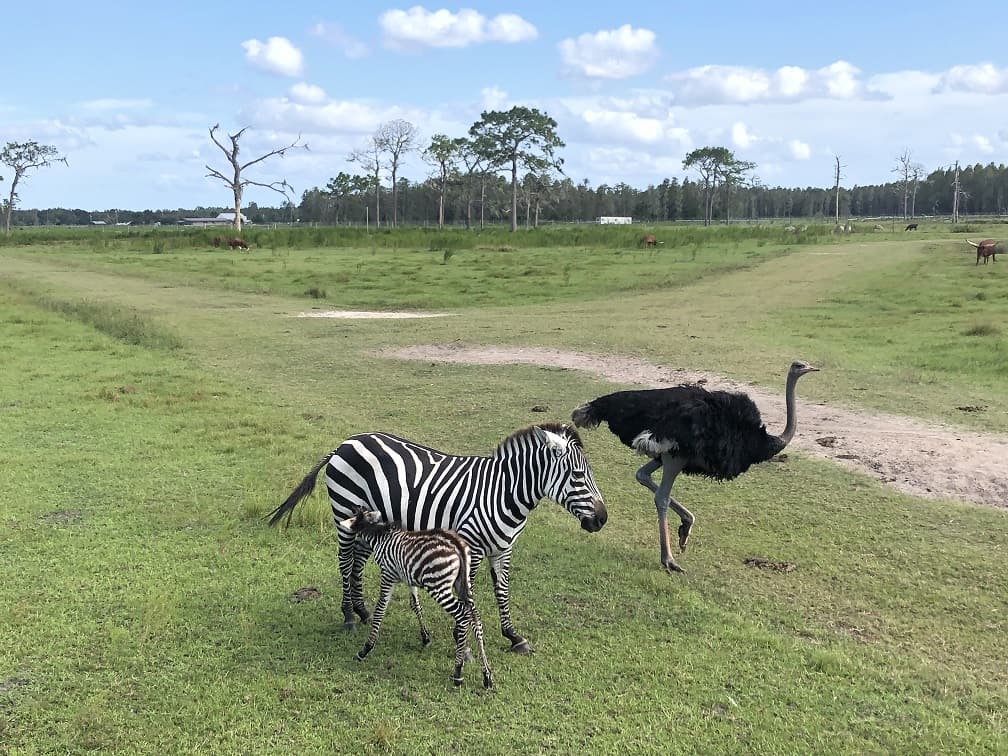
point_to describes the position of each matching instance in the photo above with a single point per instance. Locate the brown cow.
(218, 240)
(237, 244)
(985, 248)
(648, 240)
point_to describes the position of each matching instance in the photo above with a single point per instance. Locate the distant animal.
(237, 244)
(985, 248)
(691, 430)
(911, 227)
(649, 240)
(218, 240)
(437, 561)
(486, 500)
(879, 227)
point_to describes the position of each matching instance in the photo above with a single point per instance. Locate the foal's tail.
(300, 493)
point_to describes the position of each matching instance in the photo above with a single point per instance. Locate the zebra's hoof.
(358, 656)
(349, 626)
(457, 681)
(487, 682)
(522, 648)
(425, 640)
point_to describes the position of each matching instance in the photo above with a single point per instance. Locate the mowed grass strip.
(150, 611)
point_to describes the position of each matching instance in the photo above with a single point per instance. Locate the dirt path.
(929, 460)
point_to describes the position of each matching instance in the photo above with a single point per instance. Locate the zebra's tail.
(303, 491)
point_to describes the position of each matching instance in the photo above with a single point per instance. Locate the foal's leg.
(477, 629)
(387, 582)
(448, 601)
(414, 601)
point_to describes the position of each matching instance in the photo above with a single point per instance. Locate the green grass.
(145, 607)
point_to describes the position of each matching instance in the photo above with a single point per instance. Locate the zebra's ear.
(554, 441)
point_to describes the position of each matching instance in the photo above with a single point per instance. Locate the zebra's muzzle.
(594, 523)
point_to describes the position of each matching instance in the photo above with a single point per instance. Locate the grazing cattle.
(218, 240)
(911, 227)
(649, 240)
(237, 244)
(985, 248)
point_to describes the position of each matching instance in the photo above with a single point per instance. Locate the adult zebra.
(486, 500)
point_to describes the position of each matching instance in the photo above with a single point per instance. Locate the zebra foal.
(435, 560)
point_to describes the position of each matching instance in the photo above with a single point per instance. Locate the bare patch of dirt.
(370, 315)
(308, 593)
(769, 564)
(931, 460)
(62, 517)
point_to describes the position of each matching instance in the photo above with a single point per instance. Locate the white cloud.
(418, 28)
(741, 137)
(335, 35)
(333, 117)
(983, 144)
(799, 150)
(277, 56)
(492, 98)
(624, 126)
(714, 84)
(904, 83)
(984, 79)
(616, 54)
(307, 94)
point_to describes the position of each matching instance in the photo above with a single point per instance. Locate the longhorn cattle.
(985, 248)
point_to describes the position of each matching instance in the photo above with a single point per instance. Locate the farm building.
(615, 219)
(221, 219)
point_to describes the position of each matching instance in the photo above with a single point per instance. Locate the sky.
(127, 92)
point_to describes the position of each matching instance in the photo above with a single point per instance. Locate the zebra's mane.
(559, 428)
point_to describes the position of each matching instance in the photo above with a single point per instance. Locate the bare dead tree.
(236, 182)
(956, 192)
(903, 169)
(370, 159)
(836, 186)
(916, 174)
(396, 138)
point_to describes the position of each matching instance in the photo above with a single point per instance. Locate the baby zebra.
(436, 560)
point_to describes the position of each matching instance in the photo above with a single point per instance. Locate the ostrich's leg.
(671, 467)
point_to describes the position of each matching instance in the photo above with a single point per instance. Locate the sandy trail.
(931, 460)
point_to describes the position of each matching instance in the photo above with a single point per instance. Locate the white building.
(619, 220)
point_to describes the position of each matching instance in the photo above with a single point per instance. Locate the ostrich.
(689, 429)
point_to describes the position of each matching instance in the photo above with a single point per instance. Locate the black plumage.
(688, 429)
(720, 434)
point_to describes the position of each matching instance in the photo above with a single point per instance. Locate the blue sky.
(127, 93)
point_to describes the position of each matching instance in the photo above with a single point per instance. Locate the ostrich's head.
(799, 368)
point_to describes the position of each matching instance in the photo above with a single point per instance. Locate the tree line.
(506, 169)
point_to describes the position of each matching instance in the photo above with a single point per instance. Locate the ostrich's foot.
(671, 566)
(684, 534)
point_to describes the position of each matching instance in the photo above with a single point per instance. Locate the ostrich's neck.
(789, 428)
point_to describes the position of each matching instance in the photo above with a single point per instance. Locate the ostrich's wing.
(728, 436)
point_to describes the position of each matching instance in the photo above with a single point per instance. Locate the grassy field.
(155, 405)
